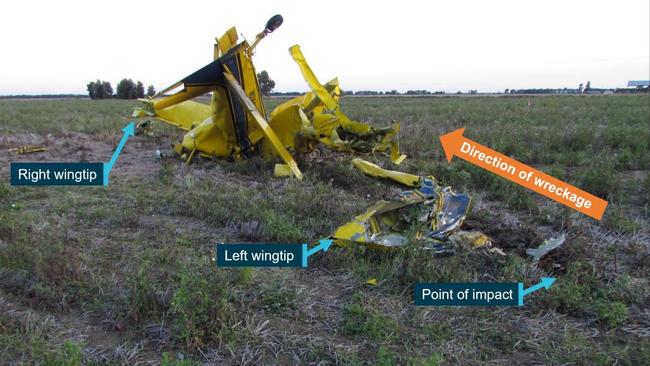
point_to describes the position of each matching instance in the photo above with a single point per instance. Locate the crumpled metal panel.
(235, 126)
(426, 216)
(328, 124)
(546, 247)
(375, 171)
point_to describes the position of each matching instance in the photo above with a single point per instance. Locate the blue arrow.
(129, 130)
(324, 245)
(546, 283)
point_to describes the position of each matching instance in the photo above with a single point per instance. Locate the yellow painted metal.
(366, 227)
(371, 169)
(211, 128)
(226, 42)
(470, 239)
(268, 131)
(368, 137)
(286, 124)
(27, 149)
(208, 139)
(185, 115)
(282, 170)
(318, 89)
(428, 216)
(187, 93)
(234, 125)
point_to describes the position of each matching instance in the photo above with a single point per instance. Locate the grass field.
(123, 274)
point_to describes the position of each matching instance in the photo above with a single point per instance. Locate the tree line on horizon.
(126, 89)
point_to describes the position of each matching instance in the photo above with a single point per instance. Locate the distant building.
(638, 83)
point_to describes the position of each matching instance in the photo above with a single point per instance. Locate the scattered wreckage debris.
(27, 149)
(429, 215)
(236, 126)
(546, 247)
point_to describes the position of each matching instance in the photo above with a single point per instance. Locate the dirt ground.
(131, 279)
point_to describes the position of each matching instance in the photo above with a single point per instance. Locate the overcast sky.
(58, 46)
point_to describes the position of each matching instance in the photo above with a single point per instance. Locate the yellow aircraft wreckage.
(236, 125)
(429, 216)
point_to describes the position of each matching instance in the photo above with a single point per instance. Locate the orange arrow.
(455, 144)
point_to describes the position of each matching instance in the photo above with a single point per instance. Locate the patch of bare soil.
(137, 157)
(506, 231)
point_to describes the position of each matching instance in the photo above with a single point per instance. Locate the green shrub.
(201, 310)
(385, 357)
(4, 192)
(438, 332)
(276, 298)
(279, 226)
(169, 360)
(434, 360)
(167, 171)
(616, 220)
(612, 314)
(69, 354)
(361, 321)
(599, 177)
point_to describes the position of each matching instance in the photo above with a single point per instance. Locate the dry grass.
(123, 275)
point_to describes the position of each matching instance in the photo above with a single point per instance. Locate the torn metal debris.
(546, 247)
(236, 126)
(27, 149)
(429, 215)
